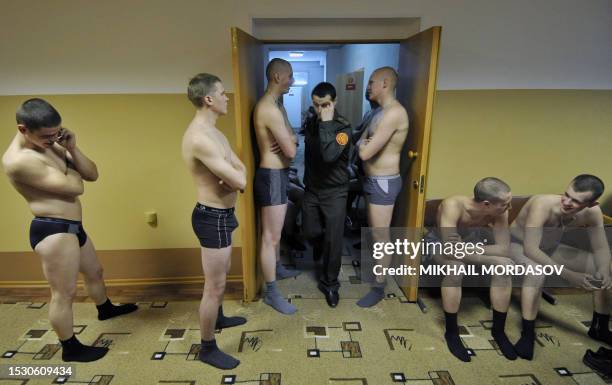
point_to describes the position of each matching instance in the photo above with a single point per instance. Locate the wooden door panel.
(247, 62)
(417, 70)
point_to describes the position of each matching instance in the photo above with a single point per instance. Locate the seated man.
(47, 168)
(536, 234)
(458, 217)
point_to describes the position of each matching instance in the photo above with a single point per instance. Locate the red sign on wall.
(350, 84)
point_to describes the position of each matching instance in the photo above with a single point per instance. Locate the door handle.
(413, 154)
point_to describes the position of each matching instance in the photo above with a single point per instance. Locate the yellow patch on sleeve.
(342, 138)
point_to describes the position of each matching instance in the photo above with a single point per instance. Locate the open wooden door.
(417, 70)
(247, 63)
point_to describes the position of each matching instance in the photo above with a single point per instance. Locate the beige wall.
(126, 65)
(536, 140)
(135, 141)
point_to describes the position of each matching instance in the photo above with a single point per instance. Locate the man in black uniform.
(326, 176)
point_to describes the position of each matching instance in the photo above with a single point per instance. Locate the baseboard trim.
(124, 290)
(198, 279)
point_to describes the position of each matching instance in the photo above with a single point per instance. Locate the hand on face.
(66, 139)
(327, 112)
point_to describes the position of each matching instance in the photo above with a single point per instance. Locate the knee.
(533, 280)
(453, 280)
(505, 262)
(64, 294)
(215, 289)
(270, 238)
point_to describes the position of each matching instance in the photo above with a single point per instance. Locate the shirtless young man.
(458, 216)
(536, 234)
(277, 146)
(218, 175)
(47, 168)
(379, 148)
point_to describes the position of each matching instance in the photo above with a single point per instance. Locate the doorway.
(346, 66)
(417, 69)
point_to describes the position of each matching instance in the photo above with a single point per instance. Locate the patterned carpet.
(392, 343)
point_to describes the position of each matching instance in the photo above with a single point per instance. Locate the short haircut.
(37, 113)
(590, 183)
(388, 72)
(490, 189)
(323, 89)
(275, 66)
(200, 86)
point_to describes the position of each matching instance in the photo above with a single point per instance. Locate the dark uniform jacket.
(327, 154)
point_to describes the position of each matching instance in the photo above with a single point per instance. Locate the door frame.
(411, 291)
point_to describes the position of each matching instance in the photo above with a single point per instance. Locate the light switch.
(151, 217)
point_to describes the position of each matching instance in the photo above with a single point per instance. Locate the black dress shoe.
(331, 295)
(604, 353)
(599, 364)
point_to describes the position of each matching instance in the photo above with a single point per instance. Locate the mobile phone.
(595, 282)
(61, 135)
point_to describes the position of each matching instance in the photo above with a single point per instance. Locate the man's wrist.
(566, 273)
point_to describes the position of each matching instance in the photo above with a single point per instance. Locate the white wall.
(334, 64)
(369, 57)
(315, 76)
(148, 46)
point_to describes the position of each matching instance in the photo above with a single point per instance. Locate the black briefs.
(213, 226)
(42, 227)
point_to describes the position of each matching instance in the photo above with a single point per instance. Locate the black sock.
(108, 310)
(73, 350)
(453, 341)
(228, 322)
(600, 328)
(210, 354)
(524, 346)
(500, 337)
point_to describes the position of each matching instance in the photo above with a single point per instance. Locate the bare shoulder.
(265, 111)
(540, 206)
(396, 113)
(16, 162)
(204, 141)
(452, 204)
(398, 108)
(590, 216)
(543, 201)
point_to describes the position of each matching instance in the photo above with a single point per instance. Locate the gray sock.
(374, 296)
(283, 273)
(274, 299)
(210, 354)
